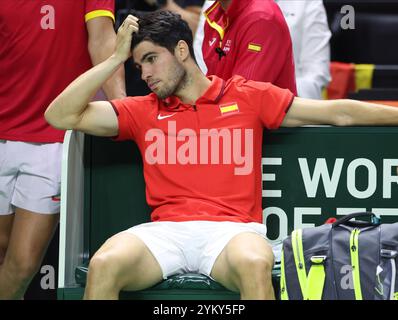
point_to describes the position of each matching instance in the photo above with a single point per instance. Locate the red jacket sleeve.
(265, 53)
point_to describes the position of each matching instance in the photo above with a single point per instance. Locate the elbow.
(54, 120)
(49, 117)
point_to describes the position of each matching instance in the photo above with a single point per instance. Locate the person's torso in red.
(251, 39)
(203, 161)
(43, 48)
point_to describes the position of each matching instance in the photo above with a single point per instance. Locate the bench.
(97, 184)
(98, 198)
(182, 287)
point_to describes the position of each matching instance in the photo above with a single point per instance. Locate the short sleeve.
(99, 8)
(270, 102)
(127, 112)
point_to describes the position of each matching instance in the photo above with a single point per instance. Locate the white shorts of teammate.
(30, 176)
(191, 246)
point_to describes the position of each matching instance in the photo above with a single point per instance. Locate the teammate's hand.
(125, 36)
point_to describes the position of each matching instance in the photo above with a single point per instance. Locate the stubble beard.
(176, 82)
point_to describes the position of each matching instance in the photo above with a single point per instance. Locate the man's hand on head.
(125, 36)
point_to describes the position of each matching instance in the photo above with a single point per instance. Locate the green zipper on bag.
(355, 263)
(297, 245)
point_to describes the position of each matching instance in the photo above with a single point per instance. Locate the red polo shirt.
(43, 49)
(203, 161)
(252, 39)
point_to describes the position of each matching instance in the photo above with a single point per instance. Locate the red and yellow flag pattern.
(229, 108)
(254, 47)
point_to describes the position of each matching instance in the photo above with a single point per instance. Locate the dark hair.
(163, 28)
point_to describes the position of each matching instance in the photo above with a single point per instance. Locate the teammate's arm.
(101, 44)
(72, 109)
(190, 14)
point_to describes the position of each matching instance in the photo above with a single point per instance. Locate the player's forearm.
(114, 87)
(359, 113)
(66, 110)
(342, 112)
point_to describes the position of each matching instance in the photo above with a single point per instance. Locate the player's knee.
(99, 264)
(21, 267)
(255, 266)
(102, 267)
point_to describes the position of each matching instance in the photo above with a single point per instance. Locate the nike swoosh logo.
(160, 117)
(211, 42)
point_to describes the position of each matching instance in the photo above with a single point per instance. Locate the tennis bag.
(346, 260)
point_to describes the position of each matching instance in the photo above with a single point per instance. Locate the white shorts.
(30, 176)
(191, 246)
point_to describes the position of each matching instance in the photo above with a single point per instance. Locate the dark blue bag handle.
(374, 220)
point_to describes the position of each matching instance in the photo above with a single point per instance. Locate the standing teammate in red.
(44, 46)
(249, 38)
(201, 140)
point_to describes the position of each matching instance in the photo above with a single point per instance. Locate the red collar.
(215, 14)
(213, 94)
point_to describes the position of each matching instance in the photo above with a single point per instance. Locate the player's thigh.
(6, 222)
(130, 260)
(31, 233)
(9, 166)
(238, 258)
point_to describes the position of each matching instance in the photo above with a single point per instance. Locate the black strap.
(374, 220)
